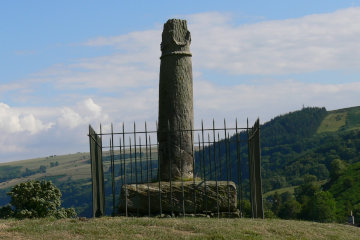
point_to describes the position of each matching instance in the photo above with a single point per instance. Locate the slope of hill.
(309, 150)
(341, 120)
(346, 191)
(293, 145)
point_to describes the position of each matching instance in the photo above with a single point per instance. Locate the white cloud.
(311, 43)
(12, 121)
(70, 118)
(81, 114)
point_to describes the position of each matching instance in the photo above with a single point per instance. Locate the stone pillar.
(175, 102)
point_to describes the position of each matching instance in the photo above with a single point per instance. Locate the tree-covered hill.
(305, 142)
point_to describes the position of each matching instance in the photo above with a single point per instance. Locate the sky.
(67, 64)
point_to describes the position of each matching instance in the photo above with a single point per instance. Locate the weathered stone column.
(175, 102)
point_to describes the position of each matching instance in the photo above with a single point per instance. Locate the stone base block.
(201, 197)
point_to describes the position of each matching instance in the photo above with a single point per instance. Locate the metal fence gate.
(97, 173)
(130, 157)
(257, 208)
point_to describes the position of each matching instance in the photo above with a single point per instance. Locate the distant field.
(343, 119)
(170, 228)
(76, 166)
(288, 189)
(64, 168)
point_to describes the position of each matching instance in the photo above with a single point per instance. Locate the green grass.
(288, 189)
(174, 228)
(333, 122)
(353, 119)
(280, 191)
(341, 120)
(74, 166)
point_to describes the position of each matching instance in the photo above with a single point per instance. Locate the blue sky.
(66, 64)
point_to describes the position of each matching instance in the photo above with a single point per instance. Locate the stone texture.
(175, 102)
(142, 193)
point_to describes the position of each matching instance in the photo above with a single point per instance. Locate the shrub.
(36, 199)
(6, 211)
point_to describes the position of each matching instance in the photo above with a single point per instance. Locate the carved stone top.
(176, 38)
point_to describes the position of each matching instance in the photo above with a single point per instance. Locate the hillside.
(173, 228)
(346, 191)
(293, 145)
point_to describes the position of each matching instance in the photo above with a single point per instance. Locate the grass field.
(289, 189)
(76, 166)
(175, 228)
(333, 122)
(342, 119)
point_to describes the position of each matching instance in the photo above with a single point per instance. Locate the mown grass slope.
(170, 228)
(341, 120)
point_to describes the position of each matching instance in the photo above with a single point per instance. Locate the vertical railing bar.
(209, 153)
(200, 161)
(170, 169)
(239, 166)
(227, 167)
(92, 166)
(158, 154)
(140, 160)
(131, 163)
(147, 167)
(230, 159)
(97, 157)
(126, 193)
(121, 176)
(194, 175)
(219, 153)
(210, 164)
(216, 172)
(182, 170)
(111, 166)
(112, 169)
(151, 160)
(136, 173)
(204, 168)
(251, 197)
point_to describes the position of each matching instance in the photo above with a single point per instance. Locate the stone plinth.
(141, 196)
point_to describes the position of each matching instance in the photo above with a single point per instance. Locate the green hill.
(293, 145)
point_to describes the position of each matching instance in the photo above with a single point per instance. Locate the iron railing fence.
(131, 157)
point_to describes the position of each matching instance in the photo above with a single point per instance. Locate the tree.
(290, 209)
(321, 207)
(35, 199)
(42, 169)
(276, 203)
(6, 211)
(305, 191)
(337, 168)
